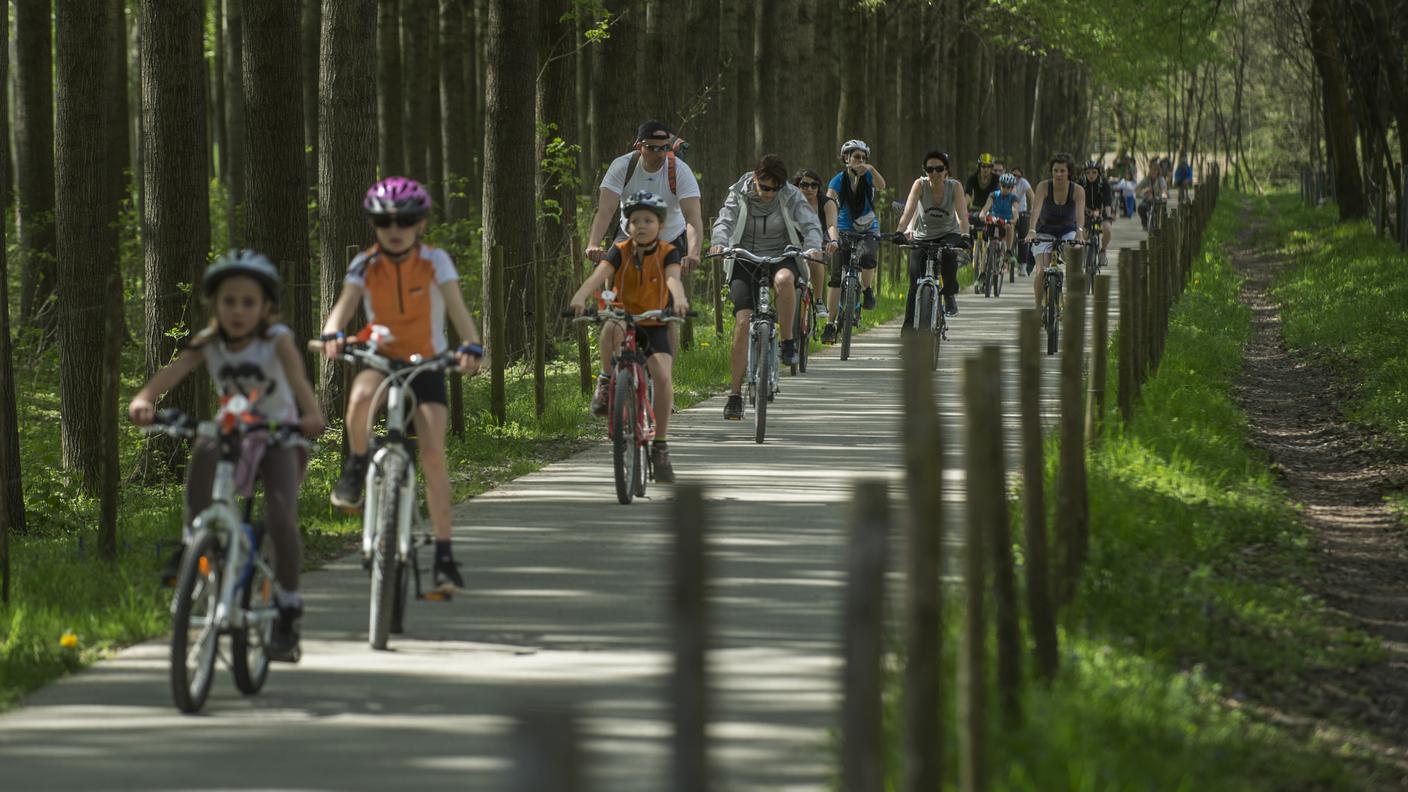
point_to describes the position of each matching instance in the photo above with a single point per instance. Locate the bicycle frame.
(628, 356)
(762, 330)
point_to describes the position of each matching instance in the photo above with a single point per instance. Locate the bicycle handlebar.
(604, 314)
(173, 422)
(359, 352)
(1047, 238)
(792, 251)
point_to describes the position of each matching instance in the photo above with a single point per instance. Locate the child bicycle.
(226, 585)
(631, 394)
(1054, 280)
(393, 523)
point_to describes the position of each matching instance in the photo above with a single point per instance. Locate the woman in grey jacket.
(763, 214)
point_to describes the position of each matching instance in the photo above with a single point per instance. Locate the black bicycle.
(1053, 281)
(1093, 253)
(928, 290)
(849, 308)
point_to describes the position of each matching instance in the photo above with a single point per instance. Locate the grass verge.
(68, 608)
(1189, 618)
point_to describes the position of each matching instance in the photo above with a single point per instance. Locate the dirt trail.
(1339, 473)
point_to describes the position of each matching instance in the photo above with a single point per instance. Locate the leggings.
(948, 265)
(281, 474)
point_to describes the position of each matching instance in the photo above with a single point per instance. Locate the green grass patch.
(1189, 614)
(1344, 303)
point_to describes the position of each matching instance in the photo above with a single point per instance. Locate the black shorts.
(743, 286)
(653, 340)
(430, 388)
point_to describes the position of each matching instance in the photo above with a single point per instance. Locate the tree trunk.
(728, 105)
(347, 98)
(311, 28)
(556, 113)
(473, 133)
(583, 56)
(434, 151)
(217, 98)
(235, 128)
(508, 156)
(454, 111)
(1339, 131)
(278, 221)
(415, 79)
(176, 213)
(765, 75)
(34, 148)
(390, 109)
(11, 487)
(86, 268)
(850, 118)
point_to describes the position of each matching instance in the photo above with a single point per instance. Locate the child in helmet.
(409, 287)
(248, 352)
(646, 272)
(1002, 205)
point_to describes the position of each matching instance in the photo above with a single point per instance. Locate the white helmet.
(854, 145)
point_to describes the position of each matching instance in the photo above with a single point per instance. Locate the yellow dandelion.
(68, 640)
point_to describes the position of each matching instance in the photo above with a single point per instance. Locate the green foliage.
(1344, 299)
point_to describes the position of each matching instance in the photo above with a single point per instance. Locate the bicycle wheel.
(760, 411)
(195, 632)
(248, 661)
(401, 589)
(641, 477)
(997, 281)
(925, 315)
(804, 340)
(624, 454)
(1092, 266)
(848, 317)
(1053, 321)
(384, 551)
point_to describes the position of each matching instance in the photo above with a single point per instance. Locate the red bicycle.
(631, 410)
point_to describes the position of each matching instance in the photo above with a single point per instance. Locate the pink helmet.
(397, 195)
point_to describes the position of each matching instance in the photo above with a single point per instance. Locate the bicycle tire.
(997, 283)
(401, 591)
(198, 586)
(848, 317)
(925, 317)
(760, 411)
(384, 552)
(249, 662)
(623, 440)
(804, 341)
(1092, 266)
(1053, 319)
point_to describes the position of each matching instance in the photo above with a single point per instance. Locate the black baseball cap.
(653, 129)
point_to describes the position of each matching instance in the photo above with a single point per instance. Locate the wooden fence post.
(1095, 409)
(540, 329)
(923, 691)
(1038, 563)
(584, 344)
(690, 620)
(1071, 504)
(1127, 340)
(990, 509)
(497, 347)
(972, 654)
(863, 740)
(546, 757)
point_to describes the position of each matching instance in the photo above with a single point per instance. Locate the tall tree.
(347, 97)
(1339, 129)
(391, 155)
(278, 221)
(508, 156)
(765, 80)
(235, 129)
(11, 488)
(34, 147)
(434, 151)
(311, 27)
(87, 273)
(415, 77)
(175, 213)
(556, 116)
(455, 105)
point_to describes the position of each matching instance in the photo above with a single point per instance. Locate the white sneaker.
(822, 312)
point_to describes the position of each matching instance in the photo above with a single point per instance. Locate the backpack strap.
(630, 169)
(669, 162)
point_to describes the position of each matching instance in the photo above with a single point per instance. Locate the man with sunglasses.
(763, 214)
(656, 170)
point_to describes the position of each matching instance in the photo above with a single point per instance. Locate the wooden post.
(1095, 409)
(1157, 251)
(990, 509)
(1039, 605)
(540, 329)
(972, 654)
(690, 620)
(923, 691)
(1071, 504)
(1127, 339)
(584, 344)
(863, 746)
(546, 758)
(1146, 312)
(497, 348)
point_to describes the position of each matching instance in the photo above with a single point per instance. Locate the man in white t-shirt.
(1022, 191)
(684, 222)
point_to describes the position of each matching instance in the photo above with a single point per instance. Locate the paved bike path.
(567, 604)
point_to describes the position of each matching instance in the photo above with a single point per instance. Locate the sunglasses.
(657, 149)
(935, 168)
(985, 167)
(768, 188)
(808, 185)
(386, 221)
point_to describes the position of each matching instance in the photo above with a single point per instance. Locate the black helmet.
(242, 262)
(645, 200)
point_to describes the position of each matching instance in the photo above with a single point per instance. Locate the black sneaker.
(789, 352)
(868, 300)
(171, 570)
(733, 409)
(283, 644)
(828, 334)
(447, 576)
(950, 305)
(660, 462)
(601, 400)
(347, 493)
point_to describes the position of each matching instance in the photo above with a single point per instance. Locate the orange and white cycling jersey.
(405, 297)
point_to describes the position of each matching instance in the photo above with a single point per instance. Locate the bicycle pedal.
(435, 595)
